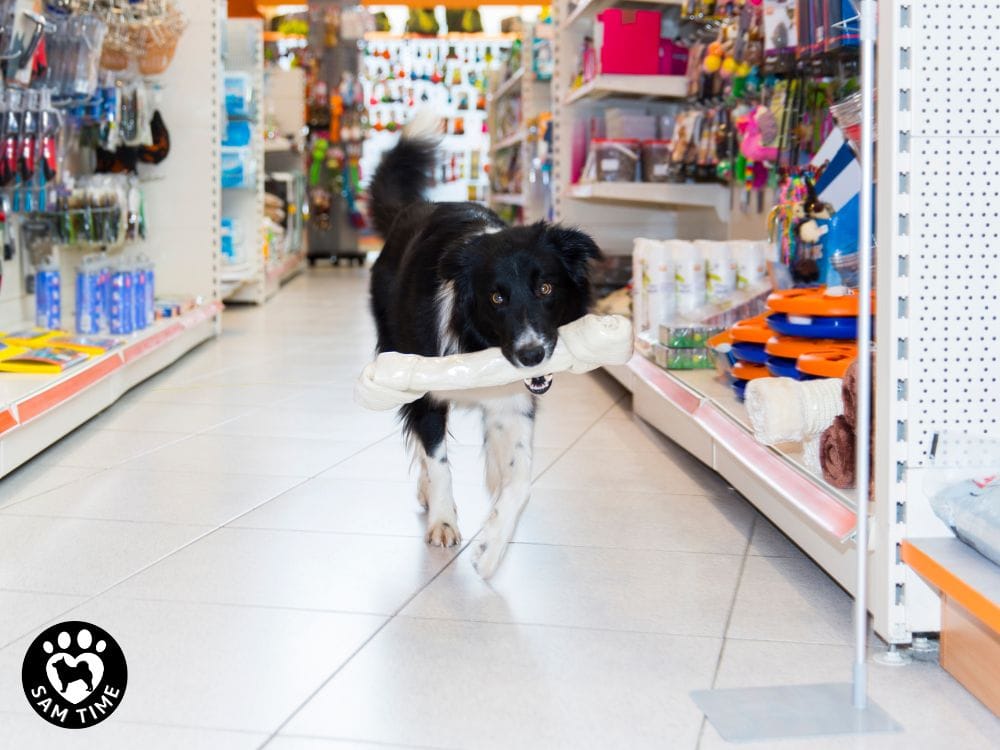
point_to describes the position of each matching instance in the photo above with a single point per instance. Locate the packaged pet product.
(751, 263)
(629, 41)
(689, 276)
(720, 270)
(616, 159)
(653, 284)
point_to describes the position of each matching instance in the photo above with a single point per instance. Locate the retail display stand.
(536, 98)
(617, 212)
(182, 210)
(245, 278)
(932, 376)
(747, 714)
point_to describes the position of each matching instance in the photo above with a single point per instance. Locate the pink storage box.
(629, 41)
(673, 58)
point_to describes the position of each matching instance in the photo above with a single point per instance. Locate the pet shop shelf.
(587, 8)
(511, 140)
(969, 585)
(700, 413)
(657, 193)
(644, 86)
(36, 410)
(509, 85)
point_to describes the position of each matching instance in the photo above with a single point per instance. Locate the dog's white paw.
(487, 555)
(423, 492)
(443, 534)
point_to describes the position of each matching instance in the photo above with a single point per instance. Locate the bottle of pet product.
(751, 263)
(689, 276)
(640, 288)
(720, 270)
(48, 296)
(653, 286)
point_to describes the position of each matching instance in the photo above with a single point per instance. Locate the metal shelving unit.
(535, 99)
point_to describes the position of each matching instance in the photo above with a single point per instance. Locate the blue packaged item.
(228, 248)
(238, 169)
(88, 318)
(119, 304)
(48, 298)
(150, 294)
(238, 89)
(138, 298)
(238, 133)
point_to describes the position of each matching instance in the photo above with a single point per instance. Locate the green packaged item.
(686, 337)
(682, 359)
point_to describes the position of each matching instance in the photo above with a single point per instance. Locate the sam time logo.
(74, 675)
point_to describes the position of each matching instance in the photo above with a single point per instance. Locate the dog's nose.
(530, 356)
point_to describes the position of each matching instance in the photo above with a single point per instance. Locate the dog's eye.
(545, 289)
(496, 298)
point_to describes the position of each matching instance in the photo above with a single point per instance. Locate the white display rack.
(248, 282)
(535, 99)
(697, 411)
(507, 199)
(646, 87)
(182, 213)
(717, 197)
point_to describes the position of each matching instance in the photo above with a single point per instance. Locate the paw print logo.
(75, 677)
(74, 674)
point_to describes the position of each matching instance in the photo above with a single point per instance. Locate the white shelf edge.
(645, 86)
(504, 88)
(507, 199)
(694, 195)
(510, 140)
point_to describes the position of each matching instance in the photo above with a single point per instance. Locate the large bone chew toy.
(394, 379)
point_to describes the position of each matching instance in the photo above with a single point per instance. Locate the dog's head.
(514, 287)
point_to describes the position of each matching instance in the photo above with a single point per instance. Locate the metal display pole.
(863, 420)
(748, 714)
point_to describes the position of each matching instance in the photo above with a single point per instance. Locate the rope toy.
(394, 378)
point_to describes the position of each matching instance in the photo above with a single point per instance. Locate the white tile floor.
(252, 540)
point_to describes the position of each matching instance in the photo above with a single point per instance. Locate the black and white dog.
(452, 277)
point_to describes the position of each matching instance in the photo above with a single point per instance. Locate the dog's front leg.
(510, 427)
(427, 421)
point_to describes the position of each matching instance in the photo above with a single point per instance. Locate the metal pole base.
(786, 711)
(892, 657)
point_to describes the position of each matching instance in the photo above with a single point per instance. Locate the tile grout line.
(395, 614)
(388, 619)
(729, 619)
(172, 552)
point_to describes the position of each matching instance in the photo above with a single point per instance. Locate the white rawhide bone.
(394, 379)
(783, 410)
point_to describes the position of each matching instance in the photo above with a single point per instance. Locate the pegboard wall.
(952, 306)
(938, 297)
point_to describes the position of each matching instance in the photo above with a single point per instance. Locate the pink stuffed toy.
(757, 129)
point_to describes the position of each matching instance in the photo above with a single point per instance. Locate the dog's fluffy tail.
(404, 173)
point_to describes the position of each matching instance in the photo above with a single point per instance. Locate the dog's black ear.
(454, 264)
(575, 249)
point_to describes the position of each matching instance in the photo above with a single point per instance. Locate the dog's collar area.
(538, 385)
